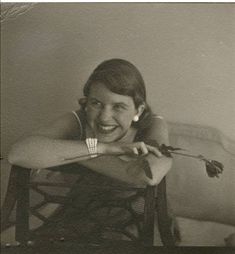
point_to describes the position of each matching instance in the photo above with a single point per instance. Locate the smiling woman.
(115, 112)
(110, 115)
(111, 129)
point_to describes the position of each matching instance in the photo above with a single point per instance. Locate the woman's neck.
(129, 136)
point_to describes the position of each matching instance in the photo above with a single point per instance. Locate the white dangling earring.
(136, 118)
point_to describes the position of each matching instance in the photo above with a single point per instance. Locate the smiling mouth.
(106, 129)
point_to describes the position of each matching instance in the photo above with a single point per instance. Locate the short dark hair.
(122, 77)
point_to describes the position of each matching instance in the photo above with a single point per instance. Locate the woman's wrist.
(101, 148)
(107, 148)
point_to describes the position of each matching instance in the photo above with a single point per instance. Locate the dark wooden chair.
(18, 193)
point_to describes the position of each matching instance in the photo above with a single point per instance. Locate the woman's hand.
(134, 149)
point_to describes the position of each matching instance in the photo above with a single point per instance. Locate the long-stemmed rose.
(213, 167)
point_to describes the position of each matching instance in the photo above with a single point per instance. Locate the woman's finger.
(143, 148)
(135, 151)
(154, 150)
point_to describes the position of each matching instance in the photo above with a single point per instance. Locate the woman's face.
(109, 114)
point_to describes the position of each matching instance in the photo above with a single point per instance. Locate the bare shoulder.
(159, 130)
(66, 126)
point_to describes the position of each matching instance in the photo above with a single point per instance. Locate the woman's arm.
(159, 165)
(50, 145)
(132, 172)
(114, 167)
(57, 143)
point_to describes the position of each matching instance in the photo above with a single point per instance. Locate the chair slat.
(22, 208)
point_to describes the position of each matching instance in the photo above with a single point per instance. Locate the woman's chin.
(109, 138)
(106, 139)
(116, 136)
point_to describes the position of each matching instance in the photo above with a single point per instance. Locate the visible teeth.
(107, 128)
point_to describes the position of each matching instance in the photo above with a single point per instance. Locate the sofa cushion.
(190, 191)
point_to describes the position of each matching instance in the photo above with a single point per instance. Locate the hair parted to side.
(122, 77)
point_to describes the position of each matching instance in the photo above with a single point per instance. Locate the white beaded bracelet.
(92, 146)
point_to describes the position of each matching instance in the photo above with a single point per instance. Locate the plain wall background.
(186, 53)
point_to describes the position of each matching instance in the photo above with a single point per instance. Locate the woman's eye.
(96, 104)
(118, 107)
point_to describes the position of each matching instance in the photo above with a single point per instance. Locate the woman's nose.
(105, 114)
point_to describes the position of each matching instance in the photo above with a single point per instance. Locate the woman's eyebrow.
(93, 98)
(121, 104)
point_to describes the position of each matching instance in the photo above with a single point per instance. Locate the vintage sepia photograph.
(117, 127)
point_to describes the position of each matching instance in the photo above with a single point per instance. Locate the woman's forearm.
(43, 152)
(114, 167)
(159, 168)
(133, 171)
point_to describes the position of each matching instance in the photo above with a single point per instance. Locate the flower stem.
(188, 155)
(88, 156)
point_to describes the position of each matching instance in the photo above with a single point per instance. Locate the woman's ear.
(139, 112)
(140, 109)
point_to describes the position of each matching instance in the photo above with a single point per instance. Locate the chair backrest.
(19, 188)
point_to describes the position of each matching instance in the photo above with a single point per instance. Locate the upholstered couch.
(205, 206)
